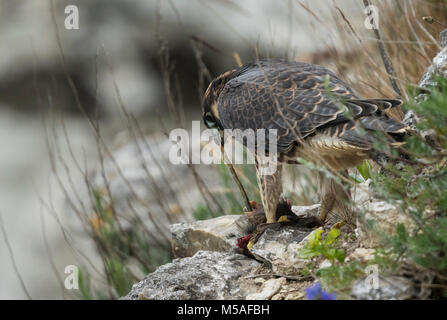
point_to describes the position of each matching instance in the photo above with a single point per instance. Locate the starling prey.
(317, 117)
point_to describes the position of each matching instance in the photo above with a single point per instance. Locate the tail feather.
(372, 106)
(360, 133)
(382, 124)
(368, 116)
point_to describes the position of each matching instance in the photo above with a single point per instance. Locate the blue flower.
(328, 296)
(313, 292)
(317, 293)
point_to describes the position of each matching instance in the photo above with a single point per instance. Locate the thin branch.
(385, 57)
(236, 178)
(13, 260)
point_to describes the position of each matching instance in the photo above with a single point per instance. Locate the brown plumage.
(317, 117)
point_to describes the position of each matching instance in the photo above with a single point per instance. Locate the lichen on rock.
(206, 275)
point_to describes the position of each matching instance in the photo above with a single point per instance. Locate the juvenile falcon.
(317, 118)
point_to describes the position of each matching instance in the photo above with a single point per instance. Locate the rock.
(361, 194)
(279, 249)
(306, 210)
(375, 216)
(295, 290)
(218, 234)
(378, 217)
(325, 264)
(361, 254)
(389, 288)
(439, 65)
(443, 38)
(428, 79)
(268, 289)
(295, 296)
(206, 275)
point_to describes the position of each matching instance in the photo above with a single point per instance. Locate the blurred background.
(85, 116)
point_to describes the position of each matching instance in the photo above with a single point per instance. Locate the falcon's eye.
(209, 120)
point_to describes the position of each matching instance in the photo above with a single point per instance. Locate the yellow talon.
(339, 224)
(250, 244)
(283, 219)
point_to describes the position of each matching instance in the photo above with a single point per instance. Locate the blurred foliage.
(365, 170)
(414, 179)
(229, 195)
(338, 276)
(326, 247)
(416, 182)
(201, 212)
(126, 253)
(419, 187)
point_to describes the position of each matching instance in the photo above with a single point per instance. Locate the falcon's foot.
(284, 217)
(338, 223)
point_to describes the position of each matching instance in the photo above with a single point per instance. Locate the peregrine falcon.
(318, 117)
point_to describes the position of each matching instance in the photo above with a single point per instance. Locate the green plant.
(126, 253)
(201, 212)
(365, 169)
(418, 186)
(317, 246)
(339, 275)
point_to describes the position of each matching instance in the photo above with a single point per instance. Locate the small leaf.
(305, 272)
(340, 255)
(307, 252)
(365, 170)
(332, 236)
(330, 253)
(315, 237)
(322, 272)
(401, 232)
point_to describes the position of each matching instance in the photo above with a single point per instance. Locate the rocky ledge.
(206, 275)
(209, 265)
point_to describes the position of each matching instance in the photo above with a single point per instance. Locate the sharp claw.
(339, 224)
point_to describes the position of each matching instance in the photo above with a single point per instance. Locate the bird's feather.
(298, 100)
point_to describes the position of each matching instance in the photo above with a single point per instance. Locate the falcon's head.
(210, 111)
